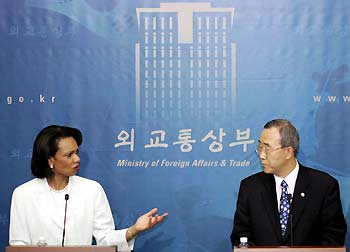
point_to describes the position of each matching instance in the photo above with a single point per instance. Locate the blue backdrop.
(171, 98)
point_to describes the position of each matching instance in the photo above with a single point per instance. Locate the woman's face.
(66, 160)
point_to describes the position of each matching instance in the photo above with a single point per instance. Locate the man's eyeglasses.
(260, 148)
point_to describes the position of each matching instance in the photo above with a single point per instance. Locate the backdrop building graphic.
(185, 62)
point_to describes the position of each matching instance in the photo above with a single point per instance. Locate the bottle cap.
(41, 239)
(243, 239)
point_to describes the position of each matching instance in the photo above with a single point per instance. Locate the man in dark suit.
(287, 204)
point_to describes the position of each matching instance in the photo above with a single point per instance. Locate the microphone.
(290, 199)
(66, 198)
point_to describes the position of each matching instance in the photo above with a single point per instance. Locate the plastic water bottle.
(42, 242)
(243, 242)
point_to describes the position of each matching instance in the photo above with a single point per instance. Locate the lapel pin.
(302, 195)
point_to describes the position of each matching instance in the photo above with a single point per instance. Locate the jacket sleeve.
(241, 224)
(333, 222)
(19, 234)
(104, 228)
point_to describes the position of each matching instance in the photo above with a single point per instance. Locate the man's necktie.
(284, 207)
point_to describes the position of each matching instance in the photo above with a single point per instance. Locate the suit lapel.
(71, 204)
(269, 200)
(299, 197)
(46, 203)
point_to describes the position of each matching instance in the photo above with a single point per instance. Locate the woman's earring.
(51, 166)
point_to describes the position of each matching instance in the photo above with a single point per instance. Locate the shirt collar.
(290, 179)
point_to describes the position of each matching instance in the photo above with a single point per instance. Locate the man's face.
(272, 155)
